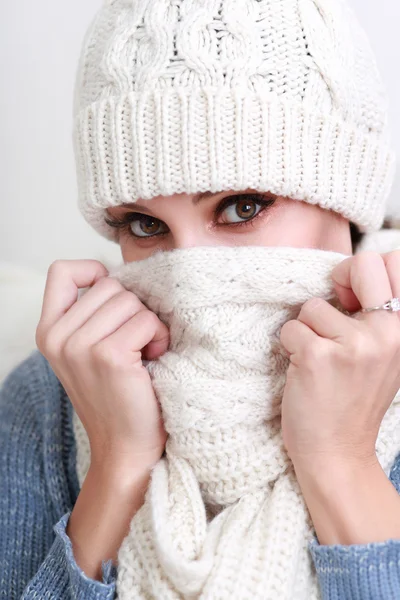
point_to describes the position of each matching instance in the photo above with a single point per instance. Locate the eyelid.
(126, 218)
(257, 197)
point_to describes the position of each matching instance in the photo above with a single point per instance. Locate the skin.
(343, 375)
(95, 345)
(195, 225)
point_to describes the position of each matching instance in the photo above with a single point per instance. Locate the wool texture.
(184, 96)
(224, 516)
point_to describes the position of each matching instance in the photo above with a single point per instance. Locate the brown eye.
(245, 209)
(241, 209)
(137, 225)
(145, 226)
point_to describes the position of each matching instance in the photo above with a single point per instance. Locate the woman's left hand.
(344, 370)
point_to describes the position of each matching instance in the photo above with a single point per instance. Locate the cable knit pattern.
(275, 95)
(224, 516)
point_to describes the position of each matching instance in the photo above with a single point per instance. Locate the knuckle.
(361, 347)
(393, 258)
(55, 266)
(286, 328)
(148, 318)
(109, 284)
(357, 344)
(39, 337)
(75, 347)
(314, 353)
(50, 344)
(366, 257)
(311, 304)
(105, 354)
(129, 300)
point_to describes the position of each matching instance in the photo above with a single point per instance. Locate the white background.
(39, 46)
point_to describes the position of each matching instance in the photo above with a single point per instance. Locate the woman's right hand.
(95, 346)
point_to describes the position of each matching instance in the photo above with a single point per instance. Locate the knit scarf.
(224, 517)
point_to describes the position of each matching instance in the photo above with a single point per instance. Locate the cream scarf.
(224, 517)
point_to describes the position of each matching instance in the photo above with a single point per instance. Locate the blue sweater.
(39, 487)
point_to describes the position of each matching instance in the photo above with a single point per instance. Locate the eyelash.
(123, 223)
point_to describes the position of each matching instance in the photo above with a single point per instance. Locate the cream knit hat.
(180, 96)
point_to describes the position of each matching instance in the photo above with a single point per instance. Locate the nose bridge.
(191, 233)
(190, 229)
(188, 224)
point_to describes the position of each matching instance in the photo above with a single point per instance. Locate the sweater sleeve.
(359, 571)
(36, 557)
(60, 577)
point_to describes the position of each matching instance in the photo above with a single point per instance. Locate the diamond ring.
(392, 305)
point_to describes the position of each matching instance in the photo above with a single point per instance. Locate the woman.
(236, 124)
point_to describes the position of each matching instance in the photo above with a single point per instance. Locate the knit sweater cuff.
(81, 586)
(368, 571)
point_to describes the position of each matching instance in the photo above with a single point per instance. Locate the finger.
(64, 279)
(295, 336)
(365, 275)
(392, 263)
(88, 304)
(324, 319)
(141, 331)
(112, 315)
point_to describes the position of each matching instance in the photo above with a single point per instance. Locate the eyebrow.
(195, 200)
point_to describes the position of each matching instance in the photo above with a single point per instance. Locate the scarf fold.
(224, 516)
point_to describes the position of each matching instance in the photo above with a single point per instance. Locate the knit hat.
(283, 96)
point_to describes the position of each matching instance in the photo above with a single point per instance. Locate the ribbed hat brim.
(174, 140)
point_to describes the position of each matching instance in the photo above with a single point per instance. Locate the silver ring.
(392, 305)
